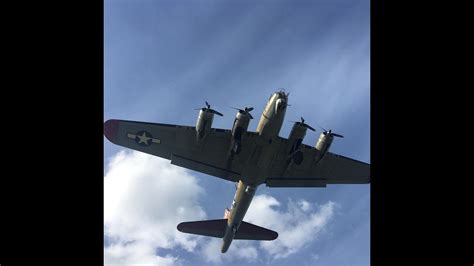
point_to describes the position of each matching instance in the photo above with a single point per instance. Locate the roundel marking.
(143, 138)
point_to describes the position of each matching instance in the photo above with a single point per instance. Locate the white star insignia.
(143, 138)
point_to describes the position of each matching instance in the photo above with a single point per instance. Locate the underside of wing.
(338, 169)
(178, 144)
(311, 171)
(295, 182)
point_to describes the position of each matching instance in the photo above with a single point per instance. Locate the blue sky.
(163, 59)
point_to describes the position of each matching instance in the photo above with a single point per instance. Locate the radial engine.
(204, 121)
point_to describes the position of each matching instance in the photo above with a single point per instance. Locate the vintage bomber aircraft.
(247, 158)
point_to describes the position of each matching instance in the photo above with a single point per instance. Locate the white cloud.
(211, 250)
(304, 205)
(296, 227)
(240, 250)
(145, 197)
(136, 253)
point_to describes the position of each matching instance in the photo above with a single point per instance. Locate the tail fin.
(217, 228)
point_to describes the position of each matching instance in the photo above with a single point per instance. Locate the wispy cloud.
(162, 59)
(139, 252)
(297, 226)
(240, 250)
(145, 197)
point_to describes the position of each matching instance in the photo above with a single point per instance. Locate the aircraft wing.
(331, 169)
(178, 144)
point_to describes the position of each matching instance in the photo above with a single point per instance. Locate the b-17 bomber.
(247, 158)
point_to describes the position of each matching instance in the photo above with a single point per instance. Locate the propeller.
(245, 111)
(208, 109)
(325, 132)
(283, 92)
(302, 123)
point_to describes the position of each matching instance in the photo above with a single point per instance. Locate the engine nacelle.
(297, 134)
(241, 124)
(203, 124)
(323, 144)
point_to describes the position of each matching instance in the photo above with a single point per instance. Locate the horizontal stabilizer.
(213, 228)
(217, 228)
(253, 232)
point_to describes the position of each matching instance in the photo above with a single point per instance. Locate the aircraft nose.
(111, 129)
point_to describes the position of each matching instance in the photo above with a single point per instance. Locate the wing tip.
(111, 129)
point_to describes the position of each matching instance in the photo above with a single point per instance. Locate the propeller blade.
(302, 123)
(331, 133)
(215, 112)
(246, 110)
(306, 125)
(208, 109)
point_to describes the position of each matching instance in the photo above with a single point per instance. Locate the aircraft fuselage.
(272, 117)
(268, 128)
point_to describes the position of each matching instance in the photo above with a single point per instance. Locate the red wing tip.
(111, 129)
